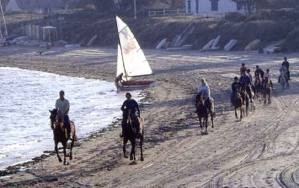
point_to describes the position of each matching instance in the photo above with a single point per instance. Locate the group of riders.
(262, 79)
(130, 107)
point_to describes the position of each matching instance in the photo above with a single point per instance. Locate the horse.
(237, 102)
(267, 90)
(130, 134)
(245, 99)
(258, 89)
(61, 136)
(203, 110)
(283, 78)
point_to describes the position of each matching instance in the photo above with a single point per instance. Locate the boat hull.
(135, 85)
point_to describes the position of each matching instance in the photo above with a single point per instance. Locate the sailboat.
(131, 61)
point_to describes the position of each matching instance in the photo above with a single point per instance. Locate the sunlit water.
(25, 99)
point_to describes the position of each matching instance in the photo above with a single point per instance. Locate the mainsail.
(130, 55)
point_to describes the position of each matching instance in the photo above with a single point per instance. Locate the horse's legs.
(206, 124)
(200, 122)
(132, 155)
(236, 114)
(141, 147)
(241, 112)
(125, 141)
(57, 152)
(64, 153)
(71, 149)
(212, 119)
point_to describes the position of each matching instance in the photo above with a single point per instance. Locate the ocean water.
(26, 98)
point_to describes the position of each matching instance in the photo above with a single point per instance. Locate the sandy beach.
(260, 151)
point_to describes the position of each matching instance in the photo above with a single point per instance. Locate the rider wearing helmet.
(287, 65)
(259, 73)
(130, 108)
(243, 69)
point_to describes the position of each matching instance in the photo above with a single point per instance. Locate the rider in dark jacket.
(287, 65)
(244, 80)
(259, 73)
(132, 106)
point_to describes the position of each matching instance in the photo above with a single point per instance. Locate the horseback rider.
(286, 64)
(244, 80)
(132, 106)
(243, 69)
(63, 106)
(236, 86)
(283, 73)
(250, 76)
(267, 78)
(259, 73)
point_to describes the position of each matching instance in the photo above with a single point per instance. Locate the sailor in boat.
(130, 105)
(119, 80)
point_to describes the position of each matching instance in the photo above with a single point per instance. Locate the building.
(213, 7)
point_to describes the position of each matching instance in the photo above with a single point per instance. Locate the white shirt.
(205, 90)
(62, 106)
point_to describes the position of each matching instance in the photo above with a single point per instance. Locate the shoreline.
(23, 165)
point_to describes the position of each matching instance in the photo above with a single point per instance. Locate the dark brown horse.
(258, 89)
(61, 136)
(237, 102)
(131, 133)
(203, 110)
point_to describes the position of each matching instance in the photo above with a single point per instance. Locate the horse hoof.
(141, 159)
(60, 160)
(131, 158)
(125, 156)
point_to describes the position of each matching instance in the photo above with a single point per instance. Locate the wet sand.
(260, 151)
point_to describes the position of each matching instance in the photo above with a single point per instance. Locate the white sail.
(134, 60)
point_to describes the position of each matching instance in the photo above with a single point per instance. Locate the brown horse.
(267, 90)
(61, 136)
(237, 102)
(245, 99)
(203, 110)
(131, 133)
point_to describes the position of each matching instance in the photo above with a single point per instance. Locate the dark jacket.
(130, 104)
(236, 86)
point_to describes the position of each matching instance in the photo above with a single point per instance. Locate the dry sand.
(260, 151)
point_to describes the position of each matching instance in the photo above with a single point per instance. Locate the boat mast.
(122, 59)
